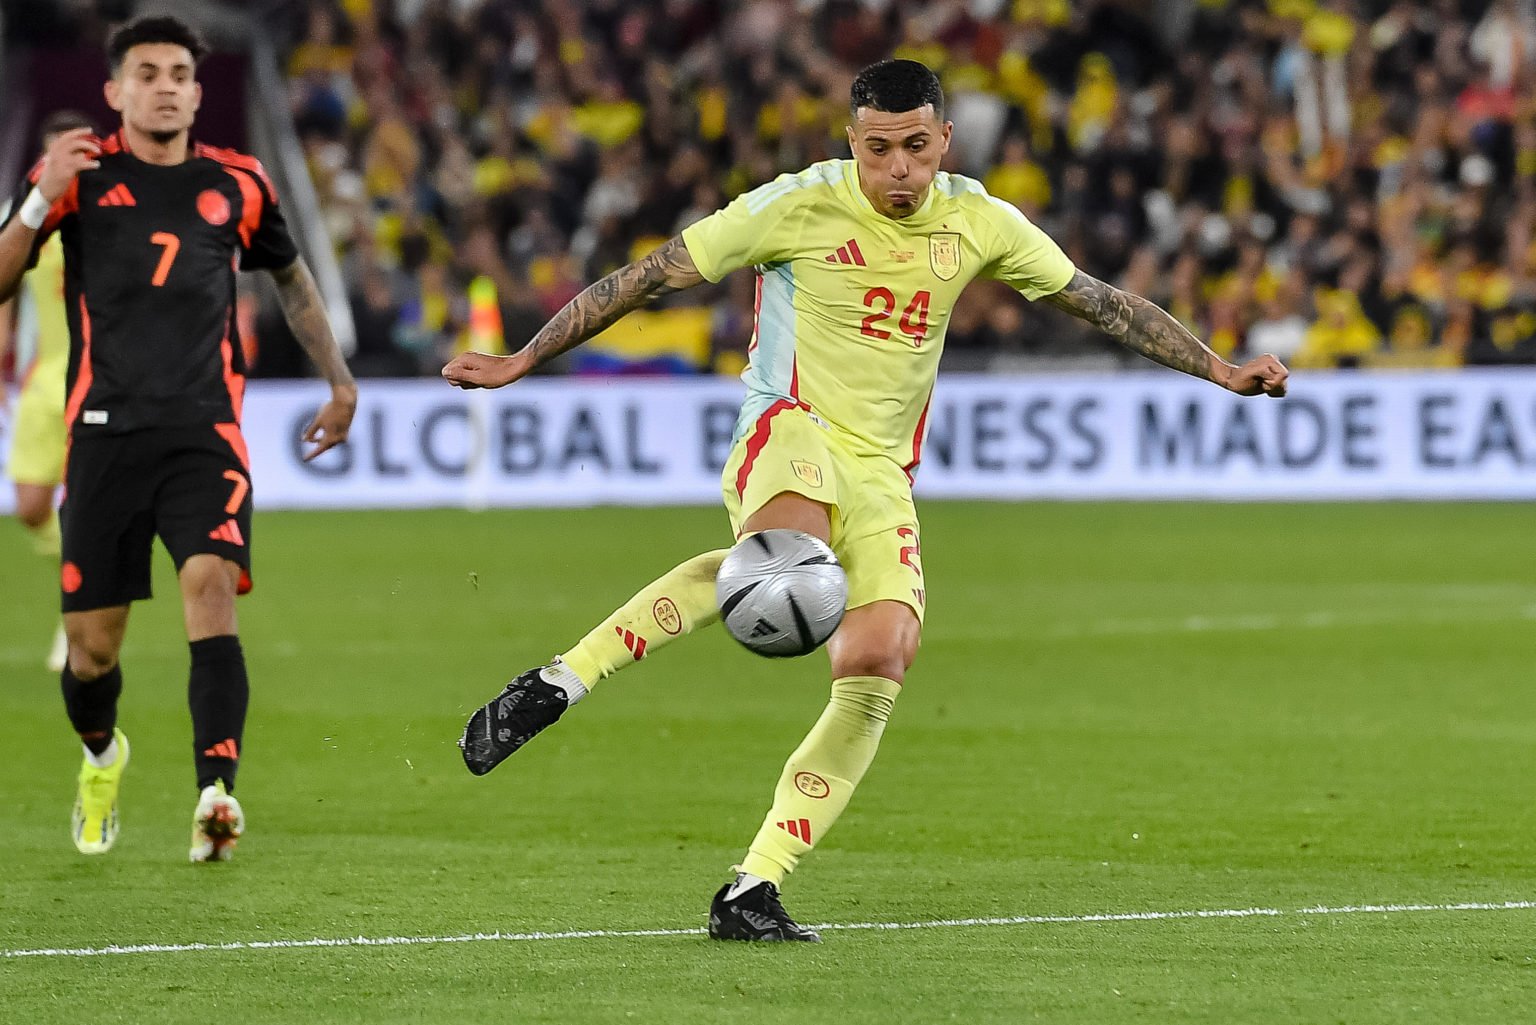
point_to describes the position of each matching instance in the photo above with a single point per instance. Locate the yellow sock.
(668, 608)
(45, 539)
(820, 776)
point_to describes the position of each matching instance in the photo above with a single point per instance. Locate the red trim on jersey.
(794, 377)
(250, 206)
(83, 376)
(756, 440)
(234, 381)
(858, 257)
(917, 441)
(234, 158)
(757, 309)
(231, 434)
(117, 142)
(62, 207)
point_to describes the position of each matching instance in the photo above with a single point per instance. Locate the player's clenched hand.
(72, 152)
(482, 370)
(330, 426)
(1264, 375)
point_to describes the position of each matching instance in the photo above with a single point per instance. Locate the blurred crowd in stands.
(1339, 182)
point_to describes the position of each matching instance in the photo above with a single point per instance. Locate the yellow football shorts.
(37, 428)
(874, 523)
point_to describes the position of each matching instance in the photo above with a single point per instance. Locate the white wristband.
(35, 210)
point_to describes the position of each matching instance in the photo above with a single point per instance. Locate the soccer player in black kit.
(154, 227)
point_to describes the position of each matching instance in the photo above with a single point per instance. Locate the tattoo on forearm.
(1138, 324)
(304, 309)
(668, 269)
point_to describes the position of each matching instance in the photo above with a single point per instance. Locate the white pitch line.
(938, 923)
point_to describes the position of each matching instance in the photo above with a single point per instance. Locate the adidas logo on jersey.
(117, 195)
(848, 253)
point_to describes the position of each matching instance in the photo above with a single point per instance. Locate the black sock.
(217, 693)
(92, 706)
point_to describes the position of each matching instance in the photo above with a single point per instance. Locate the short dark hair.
(157, 29)
(63, 121)
(895, 86)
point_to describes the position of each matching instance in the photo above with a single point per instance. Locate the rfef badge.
(944, 254)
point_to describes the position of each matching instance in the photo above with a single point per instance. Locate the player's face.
(898, 155)
(155, 90)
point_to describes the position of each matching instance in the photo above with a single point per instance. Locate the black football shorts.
(189, 485)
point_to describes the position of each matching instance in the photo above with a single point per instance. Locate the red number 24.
(914, 319)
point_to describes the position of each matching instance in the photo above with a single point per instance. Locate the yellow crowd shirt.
(852, 305)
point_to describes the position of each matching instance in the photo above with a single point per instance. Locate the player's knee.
(875, 656)
(33, 512)
(876, 640)
(92, 653)
(209, 582)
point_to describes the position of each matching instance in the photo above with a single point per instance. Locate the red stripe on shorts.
(756, 440)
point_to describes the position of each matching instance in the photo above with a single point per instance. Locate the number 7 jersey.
(852, 305)
(150, 255)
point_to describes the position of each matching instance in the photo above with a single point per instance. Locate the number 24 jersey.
(852, 305)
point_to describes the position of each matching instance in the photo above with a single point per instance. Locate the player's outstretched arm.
(1142, 326)
(667, 269)
(69, 154)
(304, 309)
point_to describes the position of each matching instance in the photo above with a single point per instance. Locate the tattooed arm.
(304, 310)
(1142, 326)
(668, 269)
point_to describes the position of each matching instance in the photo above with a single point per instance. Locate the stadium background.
(1343, 184)
(1120, 708)
(1346, 185)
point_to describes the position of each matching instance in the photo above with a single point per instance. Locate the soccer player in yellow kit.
(36, 461)
(859, 264)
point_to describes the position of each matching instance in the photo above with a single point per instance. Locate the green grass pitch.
(1117, 709)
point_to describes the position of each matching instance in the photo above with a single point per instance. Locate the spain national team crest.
(812, 785)
(944, 254)
(667, 617)
(808, 472)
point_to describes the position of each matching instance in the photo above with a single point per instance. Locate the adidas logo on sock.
(800, 829)
(633, 641)
(224, 749)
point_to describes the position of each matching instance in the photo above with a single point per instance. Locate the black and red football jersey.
(150, 255)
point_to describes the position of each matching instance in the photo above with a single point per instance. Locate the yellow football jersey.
(42, 334)
(42, 359)
(852, 305)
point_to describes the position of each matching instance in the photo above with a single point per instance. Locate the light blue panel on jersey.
(773, 362)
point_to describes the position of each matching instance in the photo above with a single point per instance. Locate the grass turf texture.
(1117, 708)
